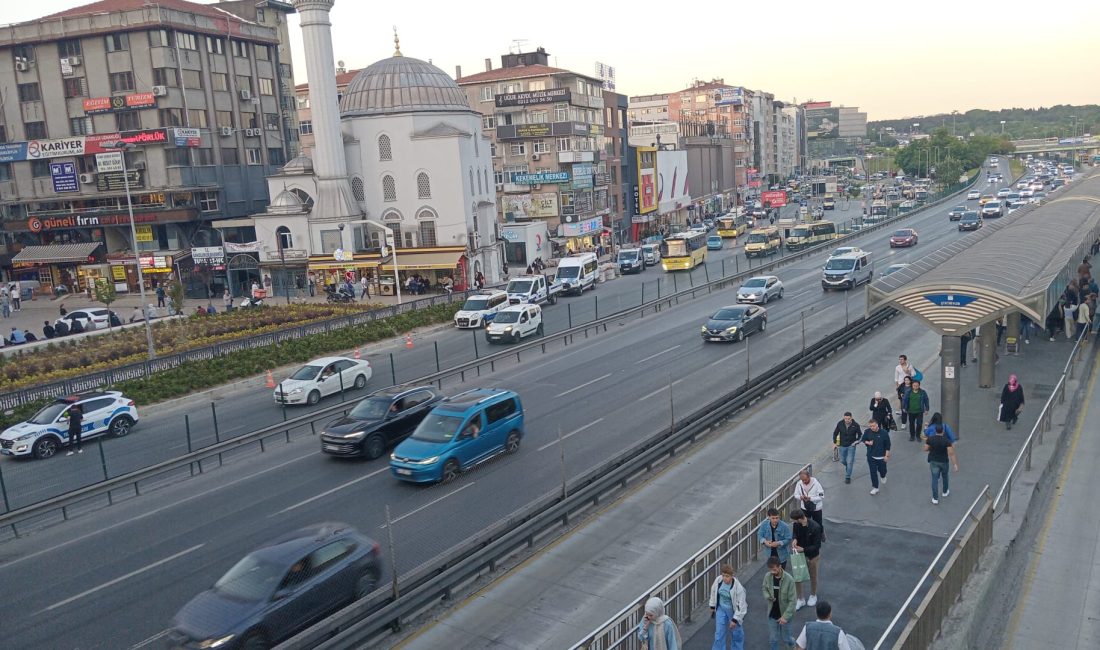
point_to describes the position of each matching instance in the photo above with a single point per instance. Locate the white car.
(514, 323)
(760, 289)
(92, 318)
(1027, 193)
(480, 308)
(322, 377)
(1003, 192)
(973, 195)
(43, 435)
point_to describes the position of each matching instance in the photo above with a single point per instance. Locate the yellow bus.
(730, 226)
(810, 234)
(684, 251)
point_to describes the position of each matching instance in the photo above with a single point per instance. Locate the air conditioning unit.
(535, 156)
(252, 132)
(75, 60)
(160, 91)
(87, 179)
(246, 95)
(139, 165)
(227, 131)
(22, 66)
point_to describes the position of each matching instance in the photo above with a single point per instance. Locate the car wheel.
(366, 583)
(740, 336)
(374, 447)
(46, 447)
(781, 294)
(450, 471)
(314, 397)
(255, 641)
(553, 300)
(763, 324)
(767, 298)
(516, 337)
(511, 444)
(360, 381)
(120, 426)
(539, 330)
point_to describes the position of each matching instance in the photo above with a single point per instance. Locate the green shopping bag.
(799, 571)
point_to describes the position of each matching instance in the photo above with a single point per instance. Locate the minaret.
(334, 201)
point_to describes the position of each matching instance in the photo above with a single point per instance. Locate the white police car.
(44, 434)
(480, 308)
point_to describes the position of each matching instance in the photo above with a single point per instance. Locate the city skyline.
(958, 67)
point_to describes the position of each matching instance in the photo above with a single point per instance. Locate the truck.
(533, 290)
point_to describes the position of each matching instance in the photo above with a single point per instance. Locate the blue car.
(460, 432)
(714, 243)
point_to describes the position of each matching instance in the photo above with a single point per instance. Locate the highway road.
(114, 579)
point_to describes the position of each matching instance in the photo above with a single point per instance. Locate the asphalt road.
(114, 579)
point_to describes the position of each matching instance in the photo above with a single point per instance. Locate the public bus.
(684, 251)
(879, 210)
(730, 225)
(806, 235)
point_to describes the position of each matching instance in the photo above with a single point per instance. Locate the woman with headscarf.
(937, 419)
(1012, 402)
(657, 631)
(880, 411)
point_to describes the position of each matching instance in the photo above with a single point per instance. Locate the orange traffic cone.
(408, 341)
(358, 356)
(270, 380)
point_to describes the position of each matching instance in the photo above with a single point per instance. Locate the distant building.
(305, 114)
(834, 134)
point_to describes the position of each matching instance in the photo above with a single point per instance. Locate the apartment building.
(195, 88)
(303, 112)
(716, 109)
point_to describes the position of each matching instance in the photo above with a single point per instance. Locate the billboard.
(672, 181)
(539, 205)
(538, 178)
(728, 96)
(774, 199)
(551, 96)
(606, 74)
(582, 176)
(646, 198)
(63, 175)
(133, 101)
(822, 123)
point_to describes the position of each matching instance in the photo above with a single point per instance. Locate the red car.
(903, 238)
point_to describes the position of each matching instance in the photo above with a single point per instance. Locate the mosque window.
(423, 186)
(427, 229)
(357, 189)
(385, 152)
(389, 188)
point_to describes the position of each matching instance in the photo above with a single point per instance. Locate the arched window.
(485, 173)
(423, 186)
(283, 238)
(385, 151)
(389, 189)
(471, 180)
(479, 183)
(306, 199)
(427, 229)
(393, 220)
(357, 189)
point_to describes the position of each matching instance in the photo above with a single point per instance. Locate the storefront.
(157, 268)
(332, 270)
(525, 242)
(208, 270)
(583, 235)
(287, 269)
(643, 226)
(430, 265)
(58, 268)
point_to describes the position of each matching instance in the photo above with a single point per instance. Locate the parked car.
(480, 308)
(460, 432)
(279, 589)
(903, 238)
(760, 289)
(385, 418)
(321, 378)
(47, 431)
(515, 322)
(91, 318)
(652, 254)
(970, 221)
(734, 323)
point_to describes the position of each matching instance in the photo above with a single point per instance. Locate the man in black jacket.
(48, 330)
(807, 539)
(846, 437)
(76, 424)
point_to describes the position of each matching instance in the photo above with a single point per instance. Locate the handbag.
(918, 375)
(799, 571)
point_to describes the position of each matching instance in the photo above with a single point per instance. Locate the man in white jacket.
(728, 605)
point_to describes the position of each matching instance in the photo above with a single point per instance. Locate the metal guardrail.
(370, 617)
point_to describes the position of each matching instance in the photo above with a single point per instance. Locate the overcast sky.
(891, 59)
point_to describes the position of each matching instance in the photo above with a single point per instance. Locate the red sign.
(148, 136)
(754, 183)
(133, 101)
(774, 199)
(93, 144)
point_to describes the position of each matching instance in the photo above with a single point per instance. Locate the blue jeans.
(722, 618)
(779, 634)
(848, 457)
(939, 469)
(878, 468)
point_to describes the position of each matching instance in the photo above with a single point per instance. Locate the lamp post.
(1073, 142)
(953, 114)
(122, 148)
(1002, 127)
(282, 261)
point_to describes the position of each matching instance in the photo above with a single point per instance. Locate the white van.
(847, 270)
(480, 308)
(578, 272)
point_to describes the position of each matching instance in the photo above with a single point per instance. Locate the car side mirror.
(280, 594)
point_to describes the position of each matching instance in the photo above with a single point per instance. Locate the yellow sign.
(144, 233)
(118, 273)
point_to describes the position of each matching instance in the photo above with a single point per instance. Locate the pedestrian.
(1056, 318)
(915, 404)
(76, 427)
(17, 295)
(16, 337)
(906, 384)
(48, 330)
(1025, 328)
(811, 496)
(227, 299)
(1070, 307)
(1084, 268)
(62, 311)
(935, 421)
(312, 284)
(964, 342)
(364, 288)
(822, 634)
(780, 597)
(775, 535)
(728, 606)
(1084, 321)
(1001, 327)
(877, 441)
(136, 314)
(1012, 402)
(881, 410)
(807, 539)
(255, 290)
(657, 631)
(160, 295)
(846, 436)
(940, 449)
(902, 370)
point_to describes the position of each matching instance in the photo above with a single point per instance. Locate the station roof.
(1019, 262)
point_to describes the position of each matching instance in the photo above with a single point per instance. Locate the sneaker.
(882, 480)
(1052, 338)
(935, 502)
(946, 492)
(812, 600)
(847, 479)
(80, 451)
(874, 490)
(799, 604)
(70, 453)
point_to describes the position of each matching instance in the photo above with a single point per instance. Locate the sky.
(891, 59)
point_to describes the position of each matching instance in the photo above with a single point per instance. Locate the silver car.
(760, 289)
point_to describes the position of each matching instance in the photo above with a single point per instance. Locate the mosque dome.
(401, 84)
(285, 203)
(298, 165)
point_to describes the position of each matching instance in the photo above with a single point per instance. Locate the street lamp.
(1002, 127)
(391, 241)
(122, 148)
(1073, 142)
(953, 114)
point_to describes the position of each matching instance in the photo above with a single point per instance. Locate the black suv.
(381, 420)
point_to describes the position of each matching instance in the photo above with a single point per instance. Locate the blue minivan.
(459, 433)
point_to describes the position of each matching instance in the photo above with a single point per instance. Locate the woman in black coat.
(880, 410)
(1012, 400)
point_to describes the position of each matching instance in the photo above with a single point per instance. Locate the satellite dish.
(340, 63)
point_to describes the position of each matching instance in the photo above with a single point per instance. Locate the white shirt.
(901, 372)
(812, 490)
(1083, 313)
(841, 641)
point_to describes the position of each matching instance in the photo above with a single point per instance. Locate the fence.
(773, 473)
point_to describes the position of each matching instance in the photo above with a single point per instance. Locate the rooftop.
(112, 6)
(402, 84)
(519, 72)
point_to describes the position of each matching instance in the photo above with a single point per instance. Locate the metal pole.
(846, 305)
(282, 259)
(137, 258)
(671, 407)
(4, 492)
(561, 447)
(187, 428)
(436, 343)
(748, 362)
(393, 553)
(341, 375)
(214, 411)
(393, 368)
(569, 310)
(103, 462)
(396, 283)
(802, 317)
(596, 299)
(476, 355)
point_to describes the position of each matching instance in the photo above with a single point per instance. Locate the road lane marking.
(725, 358)
(151, 639)
(659, 390)
(119, 579)
(431, 503)
(328, 492)
(573, 433)
(150, 513)
(654, 356)
(585, 384)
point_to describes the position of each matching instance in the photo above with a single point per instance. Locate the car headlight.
(216, 643)
(704, 329)
(731, 330)
(508, 328)
(25, 437)
(296, 391)
(354, 435)
(423, 461)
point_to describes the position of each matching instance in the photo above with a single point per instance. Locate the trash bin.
(387, 287)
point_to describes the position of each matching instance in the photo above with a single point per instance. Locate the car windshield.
(628, 256)
(970, 216)
(306, 372)
(728, 314)
(800, 232)
(841, 251)
(437, 428)
(837, 264)
(754, 283)
(475, 304)
(959, 208)
(520, 286)
(901, 233)
(251, 580)
(374, 408)
(507, 317)
(569, 272)
(649, 248)
(757, 238)
(48, 414)
(714, 238)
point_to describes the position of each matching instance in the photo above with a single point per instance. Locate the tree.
(175, 295)
(105, 293)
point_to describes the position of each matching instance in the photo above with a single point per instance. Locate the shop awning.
(56, 253)
(423, 261)
(340, 266)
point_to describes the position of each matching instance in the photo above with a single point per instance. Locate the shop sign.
(187, 137)
(341, 255)
(111, 162)
(540, 177)
(146, 136)
(69, 221)
(154, 262)
(13, 151)
(582, 228)
(532, 130)
(208, 255)
(582, 176)
(533, 97)
(118, 273)
(144, 233)
(41, 149)
(133, 101)
(63, 176)
(116, 181)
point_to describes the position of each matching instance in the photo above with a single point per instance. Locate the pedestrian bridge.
(1085, 148)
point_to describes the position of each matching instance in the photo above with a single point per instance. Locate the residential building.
(618, 161)
(762, 111)
(549, 147)
(716, 109)
(195, 87)
(787, 130)
(834, 134)
(649, 109)
(305, 114)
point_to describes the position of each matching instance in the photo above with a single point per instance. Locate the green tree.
(175, 295)
(105, 293)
